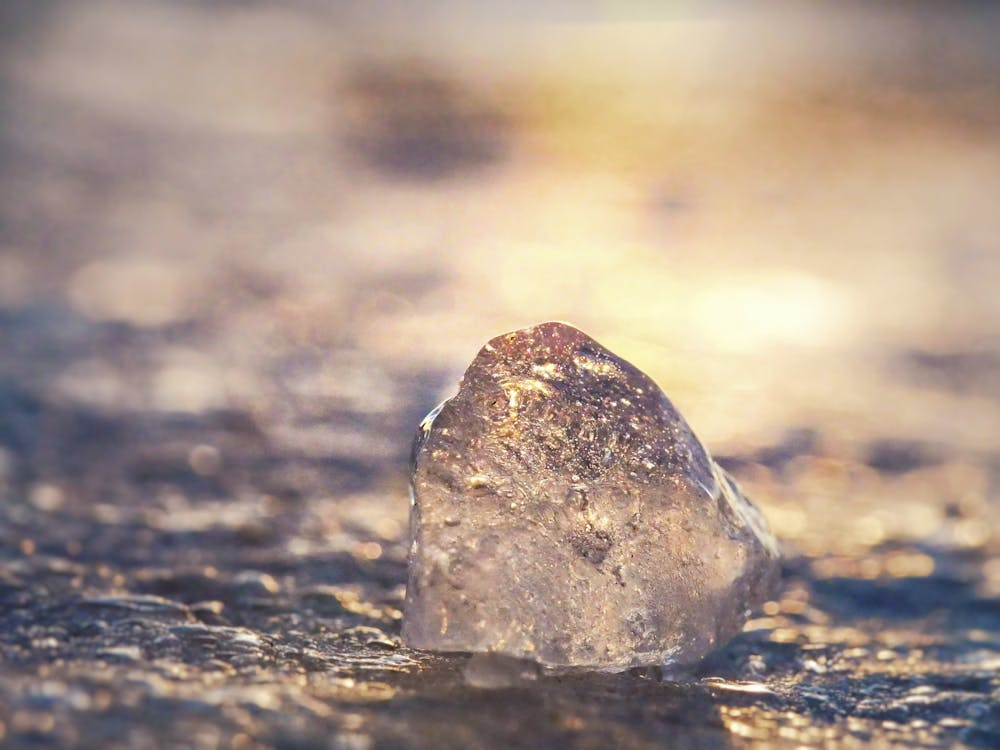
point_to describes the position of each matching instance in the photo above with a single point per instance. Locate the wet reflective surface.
(235, 275)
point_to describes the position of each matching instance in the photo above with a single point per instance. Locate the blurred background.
(245, 245)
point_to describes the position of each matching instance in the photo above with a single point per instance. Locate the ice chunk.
(564, 512)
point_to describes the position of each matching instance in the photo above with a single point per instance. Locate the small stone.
(563, 512)
(493, 670)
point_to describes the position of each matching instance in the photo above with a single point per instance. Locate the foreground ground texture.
(244, 248)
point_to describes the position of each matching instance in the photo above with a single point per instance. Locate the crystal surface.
(564, 512)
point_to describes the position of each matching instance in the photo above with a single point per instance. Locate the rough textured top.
(563, 511)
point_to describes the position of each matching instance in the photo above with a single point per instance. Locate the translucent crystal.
(564, 512)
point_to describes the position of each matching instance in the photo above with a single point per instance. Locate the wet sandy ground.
(244, 248)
